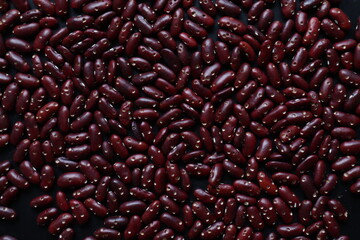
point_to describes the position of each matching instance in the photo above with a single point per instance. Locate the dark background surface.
(25, 228)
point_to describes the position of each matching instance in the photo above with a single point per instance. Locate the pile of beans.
(121, 106)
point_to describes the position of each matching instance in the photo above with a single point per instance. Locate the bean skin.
(70, 180)
(290, 230)
(7, 213)
(60, 223)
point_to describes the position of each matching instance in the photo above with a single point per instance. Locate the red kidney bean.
(247, 187)
(332, 30)
(245, 233)
(343, 163)
(71, 180)
(95, 207)
(213, 231)
(355, 187)
(266, 184)
(41, 201)
(252, 169)
(16, 179)
(203, 213)
(293, 43)
(349, 77)
(304, 211)
(4, 166)
(30, 15)
(307, 5)
(351, 174)
(167, 233)
(314, 228)
(288, 8)
(283, 210)
(292, 230)
(340, 18)
(47, 216)
(68, 233)
(7, 213)
(289, 197)
(338, 209)
(188, 39)
(29, 172)
(331, 224)
(8, 195)
(84, 192)
(9, 18)
(18, 45)
(60, 223)
(61, 201)
(347, 60)
(267, 211)
(265, 19)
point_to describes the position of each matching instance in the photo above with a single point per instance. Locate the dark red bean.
(71, 180)
(288, 8)
(304, 211)
(266, 184)
(47, 216)
(283, 210)
(9, 18)
(351, 174)
(60, 223)
(167, 233)
(41, 201)
(7, 213)
(292, 230)
(332, 30)
(331, 224)
(343, 163)
(95, 207)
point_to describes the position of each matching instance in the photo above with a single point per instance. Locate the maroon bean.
(283, 210)
(8, 195)
(84, 192)
(331, 224)
(117, 222)
(68, 233)
(332, 30)
(9, 18)
(213, 231)
(292, 230)
(266, 184)
(7, 213)
(4, 166)
(95, 207)
(29, 172)
(16, 179)
(351, 174)
(41, 201)
(21, 5)
(60, 223)
(304, 211)
(245, 233)
(71, 180)
(288, 8)
(61, 201)
(355, 187)
(349, 77)
(167, 233)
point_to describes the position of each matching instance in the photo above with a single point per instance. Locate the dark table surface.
(25, 228)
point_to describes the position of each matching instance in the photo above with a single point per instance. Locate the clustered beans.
(122, 107)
